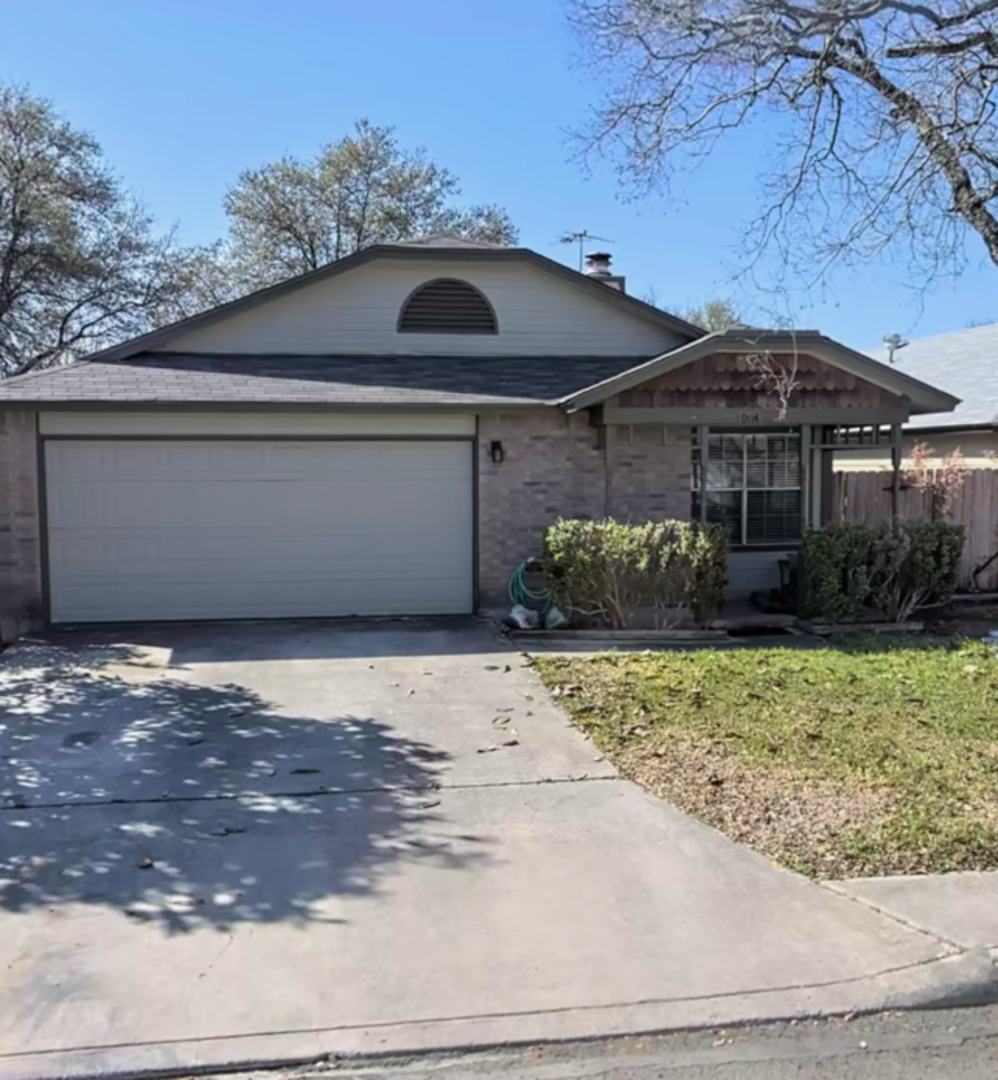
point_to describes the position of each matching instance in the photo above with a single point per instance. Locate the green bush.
(613, 570)
(915, 564)
(895, 569)
(836, 565)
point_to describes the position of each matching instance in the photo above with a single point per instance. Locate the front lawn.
(869, 757)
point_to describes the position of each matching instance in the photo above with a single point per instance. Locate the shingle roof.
(964, 363)
(164, 378)
(446, 240)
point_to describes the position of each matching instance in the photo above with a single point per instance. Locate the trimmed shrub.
(836, 565)
(896, 569)
(915, 565)
(613, 570)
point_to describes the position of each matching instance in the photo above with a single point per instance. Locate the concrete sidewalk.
(232, 845)
(960, 908)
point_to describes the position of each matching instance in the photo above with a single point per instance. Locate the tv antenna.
(580, 238)
(894, 342)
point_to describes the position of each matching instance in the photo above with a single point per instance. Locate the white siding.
(147, 530)
(356, 312)
(274, 423)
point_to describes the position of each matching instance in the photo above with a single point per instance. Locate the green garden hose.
(533, 598)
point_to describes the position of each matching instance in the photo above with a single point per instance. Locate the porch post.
(896, 476)
(805, 479)
(702, 439)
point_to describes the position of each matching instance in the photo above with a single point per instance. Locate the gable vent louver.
(447, 306)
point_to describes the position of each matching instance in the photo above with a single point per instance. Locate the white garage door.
(243, 529)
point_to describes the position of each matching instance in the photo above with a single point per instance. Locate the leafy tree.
(80, 263)
(713, 315)
(880, 116)
(293, 216)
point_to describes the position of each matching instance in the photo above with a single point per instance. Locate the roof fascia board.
(351, 262)
(955, 428)
(272, 406)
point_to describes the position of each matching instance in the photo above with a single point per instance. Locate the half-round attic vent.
(447, 306)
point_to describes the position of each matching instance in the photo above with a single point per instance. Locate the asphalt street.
(932, 1045)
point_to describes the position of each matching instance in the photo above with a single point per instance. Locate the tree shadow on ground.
(123, 785)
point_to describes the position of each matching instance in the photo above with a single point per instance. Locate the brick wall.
(553, 468)
(20, 550)
(648, 474)
(559, 466)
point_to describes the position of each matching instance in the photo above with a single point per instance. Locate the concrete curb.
(969, 978)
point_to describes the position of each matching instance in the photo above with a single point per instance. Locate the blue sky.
(183, 95)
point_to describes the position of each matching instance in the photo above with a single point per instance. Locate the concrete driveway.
(253, 843)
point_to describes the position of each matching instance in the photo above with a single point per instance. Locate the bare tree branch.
(882, 115)
(776, 377)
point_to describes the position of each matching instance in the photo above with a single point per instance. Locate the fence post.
(896, 475)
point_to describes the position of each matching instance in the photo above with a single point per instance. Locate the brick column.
(20, 548)
(553, 467)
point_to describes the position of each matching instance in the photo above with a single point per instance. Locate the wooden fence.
(866, 497)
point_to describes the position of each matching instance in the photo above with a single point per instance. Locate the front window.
(753, 485)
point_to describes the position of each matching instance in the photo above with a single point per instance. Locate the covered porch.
(764, 415)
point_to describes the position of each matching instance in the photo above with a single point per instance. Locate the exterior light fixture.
(497, 452)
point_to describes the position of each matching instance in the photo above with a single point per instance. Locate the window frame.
(700, 470)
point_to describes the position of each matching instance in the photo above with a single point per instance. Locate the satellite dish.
(894, 342)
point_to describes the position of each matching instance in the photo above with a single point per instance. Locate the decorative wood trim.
(753, 418)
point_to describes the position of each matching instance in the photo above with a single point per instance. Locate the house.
(390, 434)
(964, 362)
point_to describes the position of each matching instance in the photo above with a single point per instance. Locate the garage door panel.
(207, 556)
(202, 504)
(250, 529)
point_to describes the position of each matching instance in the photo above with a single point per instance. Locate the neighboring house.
(391, 434)
(965, 363)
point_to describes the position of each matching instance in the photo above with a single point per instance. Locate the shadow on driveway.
(123, 785)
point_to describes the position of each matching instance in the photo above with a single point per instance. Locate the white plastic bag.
(524, 618)
(554, 619)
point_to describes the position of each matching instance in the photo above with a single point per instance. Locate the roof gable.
(923, 397)
(623, 317)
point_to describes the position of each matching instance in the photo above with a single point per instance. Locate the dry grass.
(871, 757)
